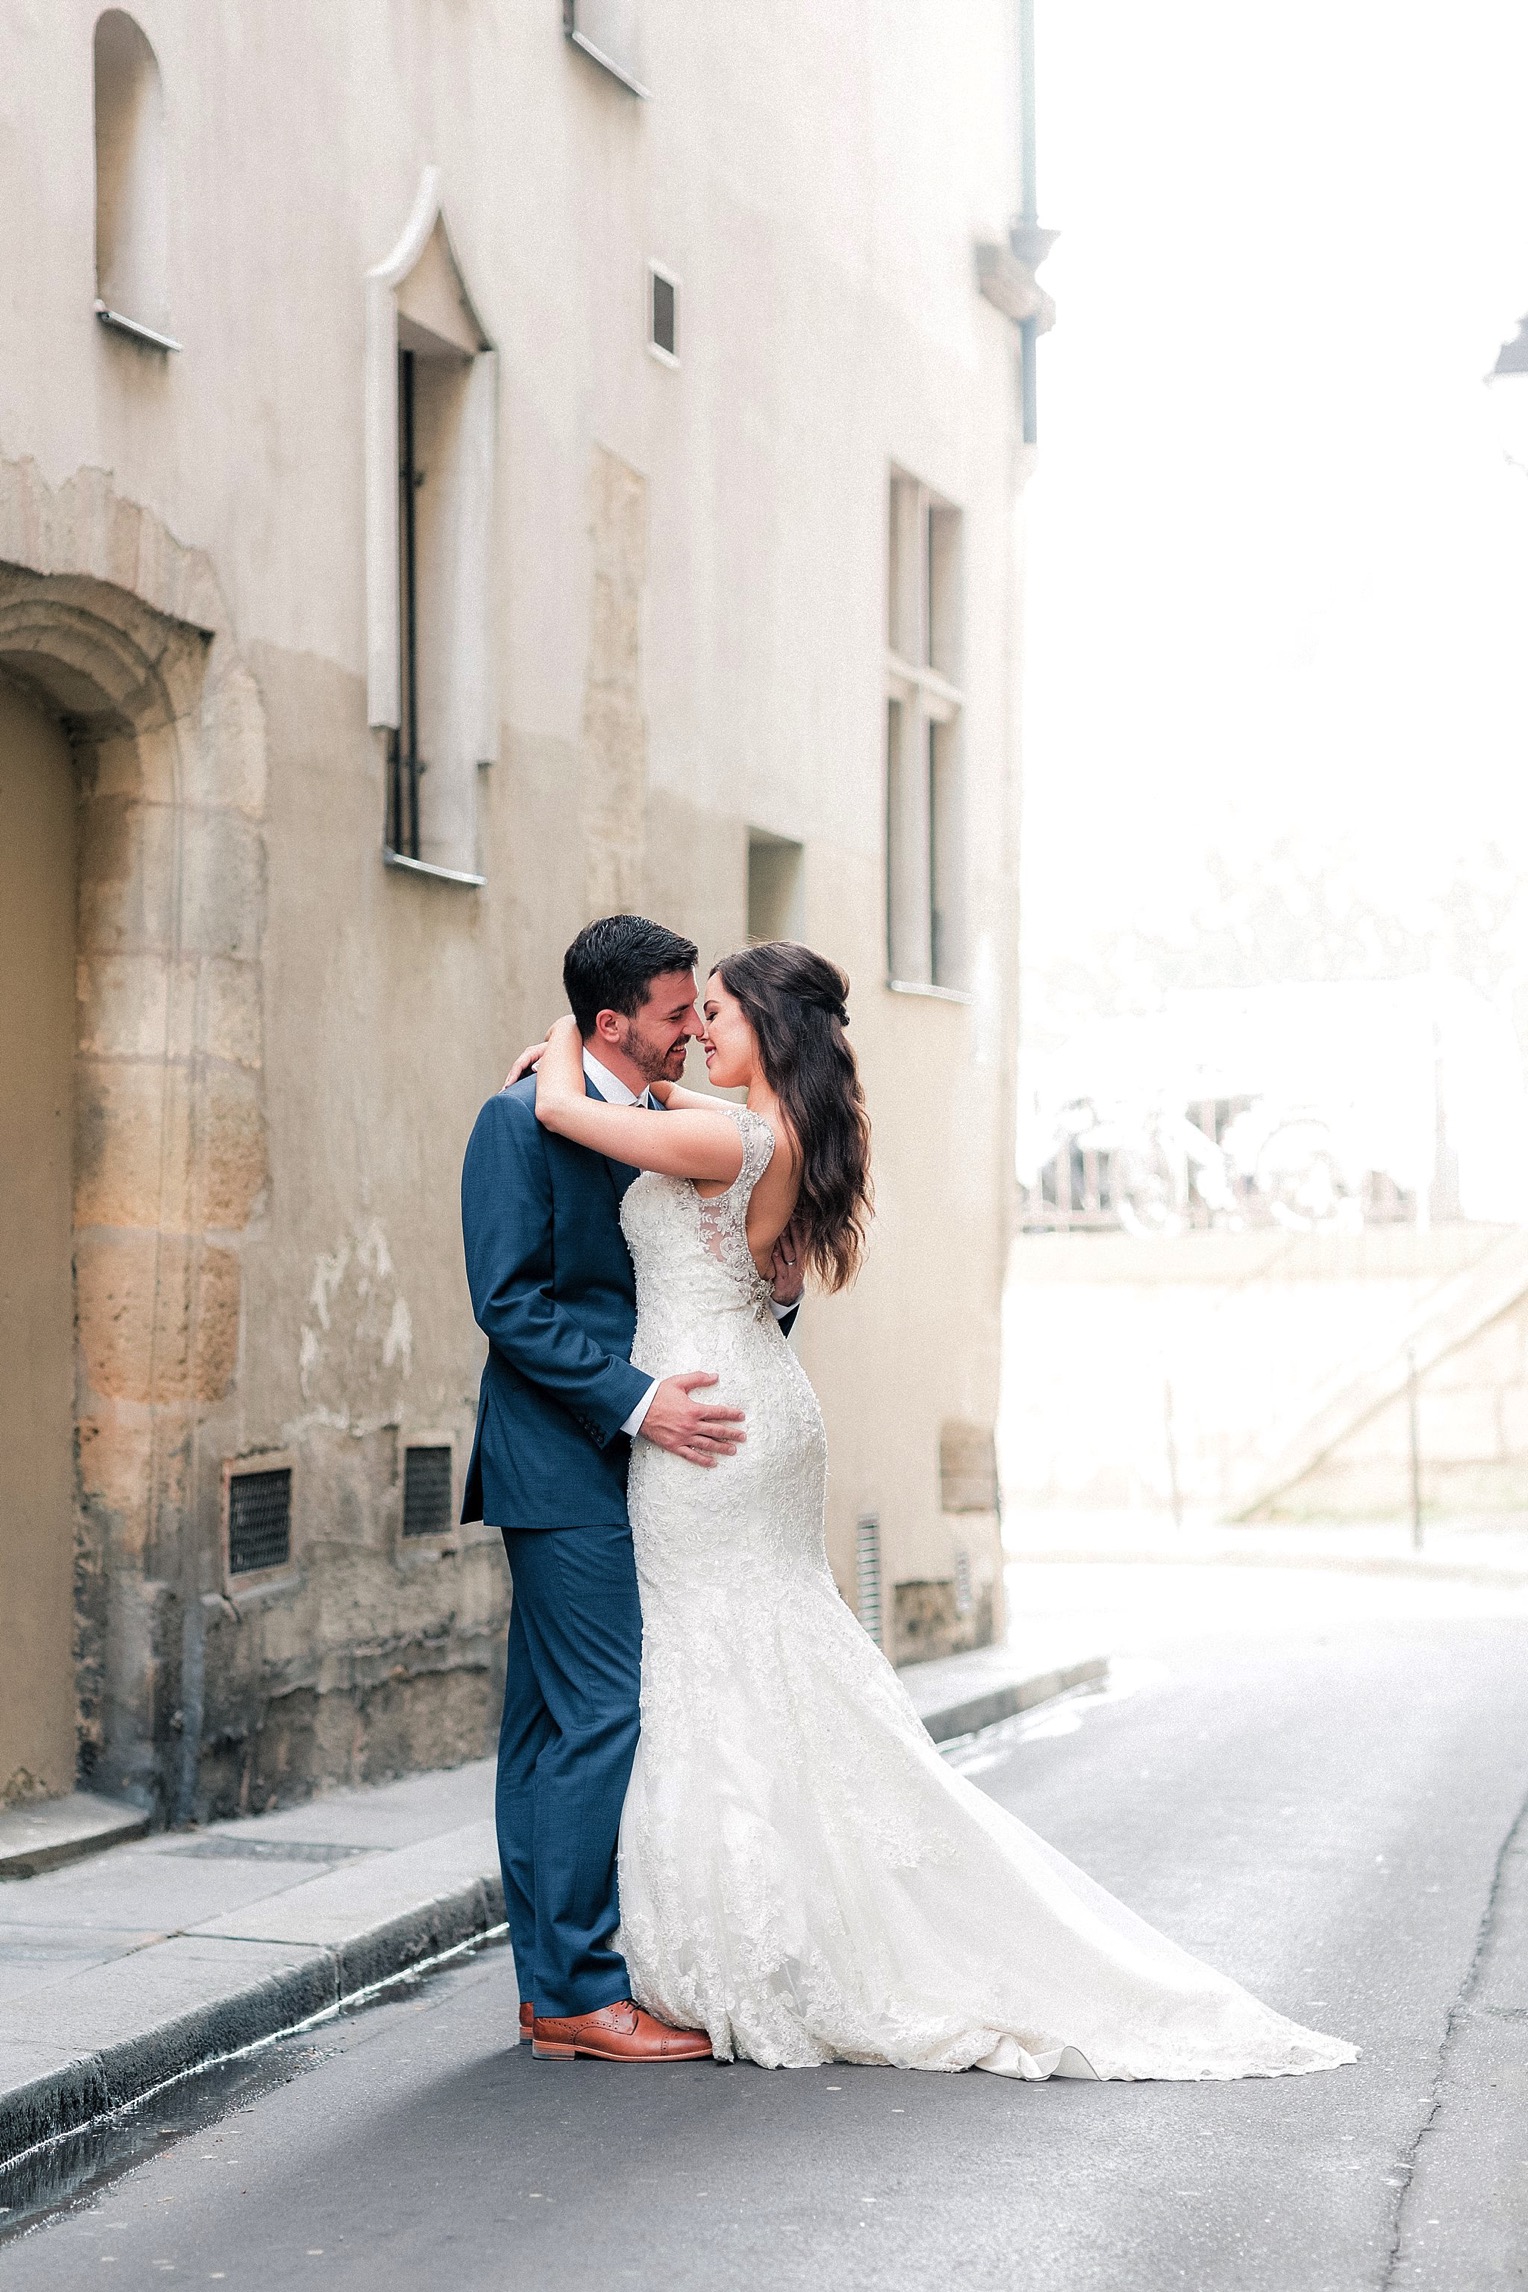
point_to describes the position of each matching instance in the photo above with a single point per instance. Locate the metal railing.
(1229, 1163)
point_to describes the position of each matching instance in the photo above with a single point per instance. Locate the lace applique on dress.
(723, 1218)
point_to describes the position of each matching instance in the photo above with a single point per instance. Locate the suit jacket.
(554, 1293)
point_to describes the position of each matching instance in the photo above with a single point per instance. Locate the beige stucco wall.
(689, 620)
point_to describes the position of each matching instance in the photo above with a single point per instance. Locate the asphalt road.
(1327, 1812)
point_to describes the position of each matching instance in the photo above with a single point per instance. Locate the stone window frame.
(925, 711)
(470, 667)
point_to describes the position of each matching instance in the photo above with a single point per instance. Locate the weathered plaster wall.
(615, 730)
(382, 1003)
(282, 1042)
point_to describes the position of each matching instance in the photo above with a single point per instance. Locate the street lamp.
(1508, 385)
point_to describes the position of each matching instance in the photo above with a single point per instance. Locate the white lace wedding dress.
(801, 1875)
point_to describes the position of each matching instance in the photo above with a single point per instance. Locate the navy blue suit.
(554, 1294)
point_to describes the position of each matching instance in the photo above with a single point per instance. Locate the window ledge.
(121, 324)
(254, 1586)
(606, 63)
(924, 987)
(391, 858)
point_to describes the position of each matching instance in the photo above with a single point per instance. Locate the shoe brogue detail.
(617, 2032)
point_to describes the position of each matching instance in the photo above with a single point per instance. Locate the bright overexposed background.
(1278, 559)
(1276, 746)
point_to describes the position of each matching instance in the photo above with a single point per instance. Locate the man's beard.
(652, 1060)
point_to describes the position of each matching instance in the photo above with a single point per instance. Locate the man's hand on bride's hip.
(699, 1431)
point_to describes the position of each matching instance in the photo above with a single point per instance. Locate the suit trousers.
(566, 1744)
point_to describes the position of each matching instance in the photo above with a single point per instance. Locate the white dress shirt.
(617, 1093)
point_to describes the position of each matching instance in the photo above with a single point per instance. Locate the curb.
(314, 1984)
(1006, 1702)
(59, 1831)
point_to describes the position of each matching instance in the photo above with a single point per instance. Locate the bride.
(801, 1874)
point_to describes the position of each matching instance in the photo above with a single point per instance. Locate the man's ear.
(609, 1027)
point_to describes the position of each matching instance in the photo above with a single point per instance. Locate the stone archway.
(116, 635)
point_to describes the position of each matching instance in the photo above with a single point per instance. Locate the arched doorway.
(37, 1042)
(130, 1016)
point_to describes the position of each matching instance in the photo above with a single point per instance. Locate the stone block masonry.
(193, 1696)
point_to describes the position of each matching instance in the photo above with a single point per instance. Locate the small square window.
(774, 887)
(663, 315)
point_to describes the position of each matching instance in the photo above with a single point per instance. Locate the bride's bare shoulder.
(787, 1149)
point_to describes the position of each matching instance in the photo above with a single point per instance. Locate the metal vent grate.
(427, 1492)
(867, 1574)
(259, 1521)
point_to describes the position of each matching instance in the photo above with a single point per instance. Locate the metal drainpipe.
(1029, 213)
(1027, 379)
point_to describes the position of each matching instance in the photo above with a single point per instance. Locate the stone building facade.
(464, 467)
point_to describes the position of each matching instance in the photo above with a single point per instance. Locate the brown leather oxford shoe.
(619, 2032)
(527, 2019)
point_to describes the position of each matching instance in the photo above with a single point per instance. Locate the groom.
(560, 1404)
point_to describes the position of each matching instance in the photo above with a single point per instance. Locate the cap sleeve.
(758, 1148)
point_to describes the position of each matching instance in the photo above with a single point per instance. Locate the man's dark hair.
(613, 962)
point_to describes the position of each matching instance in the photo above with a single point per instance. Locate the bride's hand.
(529, 1058)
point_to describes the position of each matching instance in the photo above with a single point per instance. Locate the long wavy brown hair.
(797, 1005)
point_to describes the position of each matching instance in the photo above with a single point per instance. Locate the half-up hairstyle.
(795, 1002)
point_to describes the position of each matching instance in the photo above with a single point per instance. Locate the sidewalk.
(121, 1972)
(1474, 1550)
(956, 1694)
